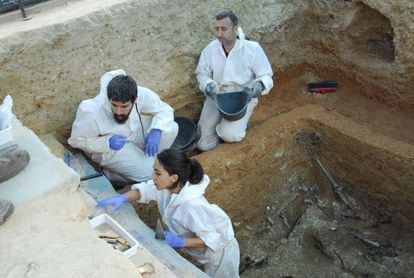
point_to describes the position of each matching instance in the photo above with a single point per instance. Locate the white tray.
(106, 219)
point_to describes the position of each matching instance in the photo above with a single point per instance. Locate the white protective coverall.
(245, 64)
(95, 124)
(189, 214)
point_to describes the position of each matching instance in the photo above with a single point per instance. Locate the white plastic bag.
(6, 112)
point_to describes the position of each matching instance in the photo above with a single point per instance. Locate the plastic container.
(188, 134)
(116, 228)
(6, 135)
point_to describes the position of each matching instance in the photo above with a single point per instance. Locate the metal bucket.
(188, 134)
(232, 106)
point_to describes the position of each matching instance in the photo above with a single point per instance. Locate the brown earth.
(368, 147)
(264, 183)
(281, 225)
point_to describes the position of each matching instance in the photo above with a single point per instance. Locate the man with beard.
(230, 63)
(123, 128)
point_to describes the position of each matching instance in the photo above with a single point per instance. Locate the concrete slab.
(48, 235)
(44, 173)
(51, 13)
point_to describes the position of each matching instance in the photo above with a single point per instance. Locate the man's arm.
(163, 114)
(263, 70)
(85, 133)
(204, 71)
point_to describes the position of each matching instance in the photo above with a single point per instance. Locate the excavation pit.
(320, 202)
(288, 217)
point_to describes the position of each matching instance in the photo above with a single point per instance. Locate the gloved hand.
(211, 89)
(116, 142)
(152, 142)
(256, 89)
(115, 202)
(174, 240)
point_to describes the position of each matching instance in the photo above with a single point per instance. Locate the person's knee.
(231, 136)
(206, 146)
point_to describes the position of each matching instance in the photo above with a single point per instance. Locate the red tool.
(327, 86)
(322, 90)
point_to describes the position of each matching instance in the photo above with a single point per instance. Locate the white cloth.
(245, 64)
(189, 214)
(6, 112)
(224, 266)
(95, 124)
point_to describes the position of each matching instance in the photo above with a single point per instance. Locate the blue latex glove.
(116, 142)
(152, 142)
(211, 89)
(115, 202)
(173, 240)
(256, 89)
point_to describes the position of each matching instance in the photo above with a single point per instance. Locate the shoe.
(6, 209)
(11, 163)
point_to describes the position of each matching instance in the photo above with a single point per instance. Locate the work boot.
(11, 163)
(6, 209)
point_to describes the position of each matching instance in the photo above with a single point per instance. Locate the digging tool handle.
(88, 177)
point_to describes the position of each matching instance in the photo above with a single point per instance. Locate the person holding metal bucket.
(230, 64)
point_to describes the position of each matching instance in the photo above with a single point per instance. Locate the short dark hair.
(177, 162)
(122, 88)
(230, 15)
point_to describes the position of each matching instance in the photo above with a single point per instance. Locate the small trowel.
(159, 230)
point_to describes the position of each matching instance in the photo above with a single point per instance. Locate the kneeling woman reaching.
(202, 229)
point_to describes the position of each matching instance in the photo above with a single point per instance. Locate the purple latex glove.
(116, 142)
(115, 202)
(174, 240)
(152, 142)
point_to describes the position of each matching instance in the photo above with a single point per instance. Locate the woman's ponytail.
(197, 172)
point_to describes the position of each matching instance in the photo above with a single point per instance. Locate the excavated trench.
(325, 202)
(303, 221)
(320, 187)
(322, 184)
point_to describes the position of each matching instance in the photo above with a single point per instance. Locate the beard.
(121, 119)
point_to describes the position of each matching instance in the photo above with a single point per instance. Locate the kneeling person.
(202, 229)
(123, 128)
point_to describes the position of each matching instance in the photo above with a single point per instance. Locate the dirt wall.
(53, 61)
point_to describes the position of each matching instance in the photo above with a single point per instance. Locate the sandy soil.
(280, 235)
(359, 106)
(285, 228)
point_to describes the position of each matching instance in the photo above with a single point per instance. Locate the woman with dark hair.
(202, 229)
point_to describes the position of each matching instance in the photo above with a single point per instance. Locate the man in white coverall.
(123, 128)
(230, 64)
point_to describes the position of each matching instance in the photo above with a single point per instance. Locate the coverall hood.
(191, 191)
(102, 97)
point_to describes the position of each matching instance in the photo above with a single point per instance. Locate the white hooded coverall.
(189, 214)
(95, 124)
(245, 64)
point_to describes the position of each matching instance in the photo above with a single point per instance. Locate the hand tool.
(159, 230)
